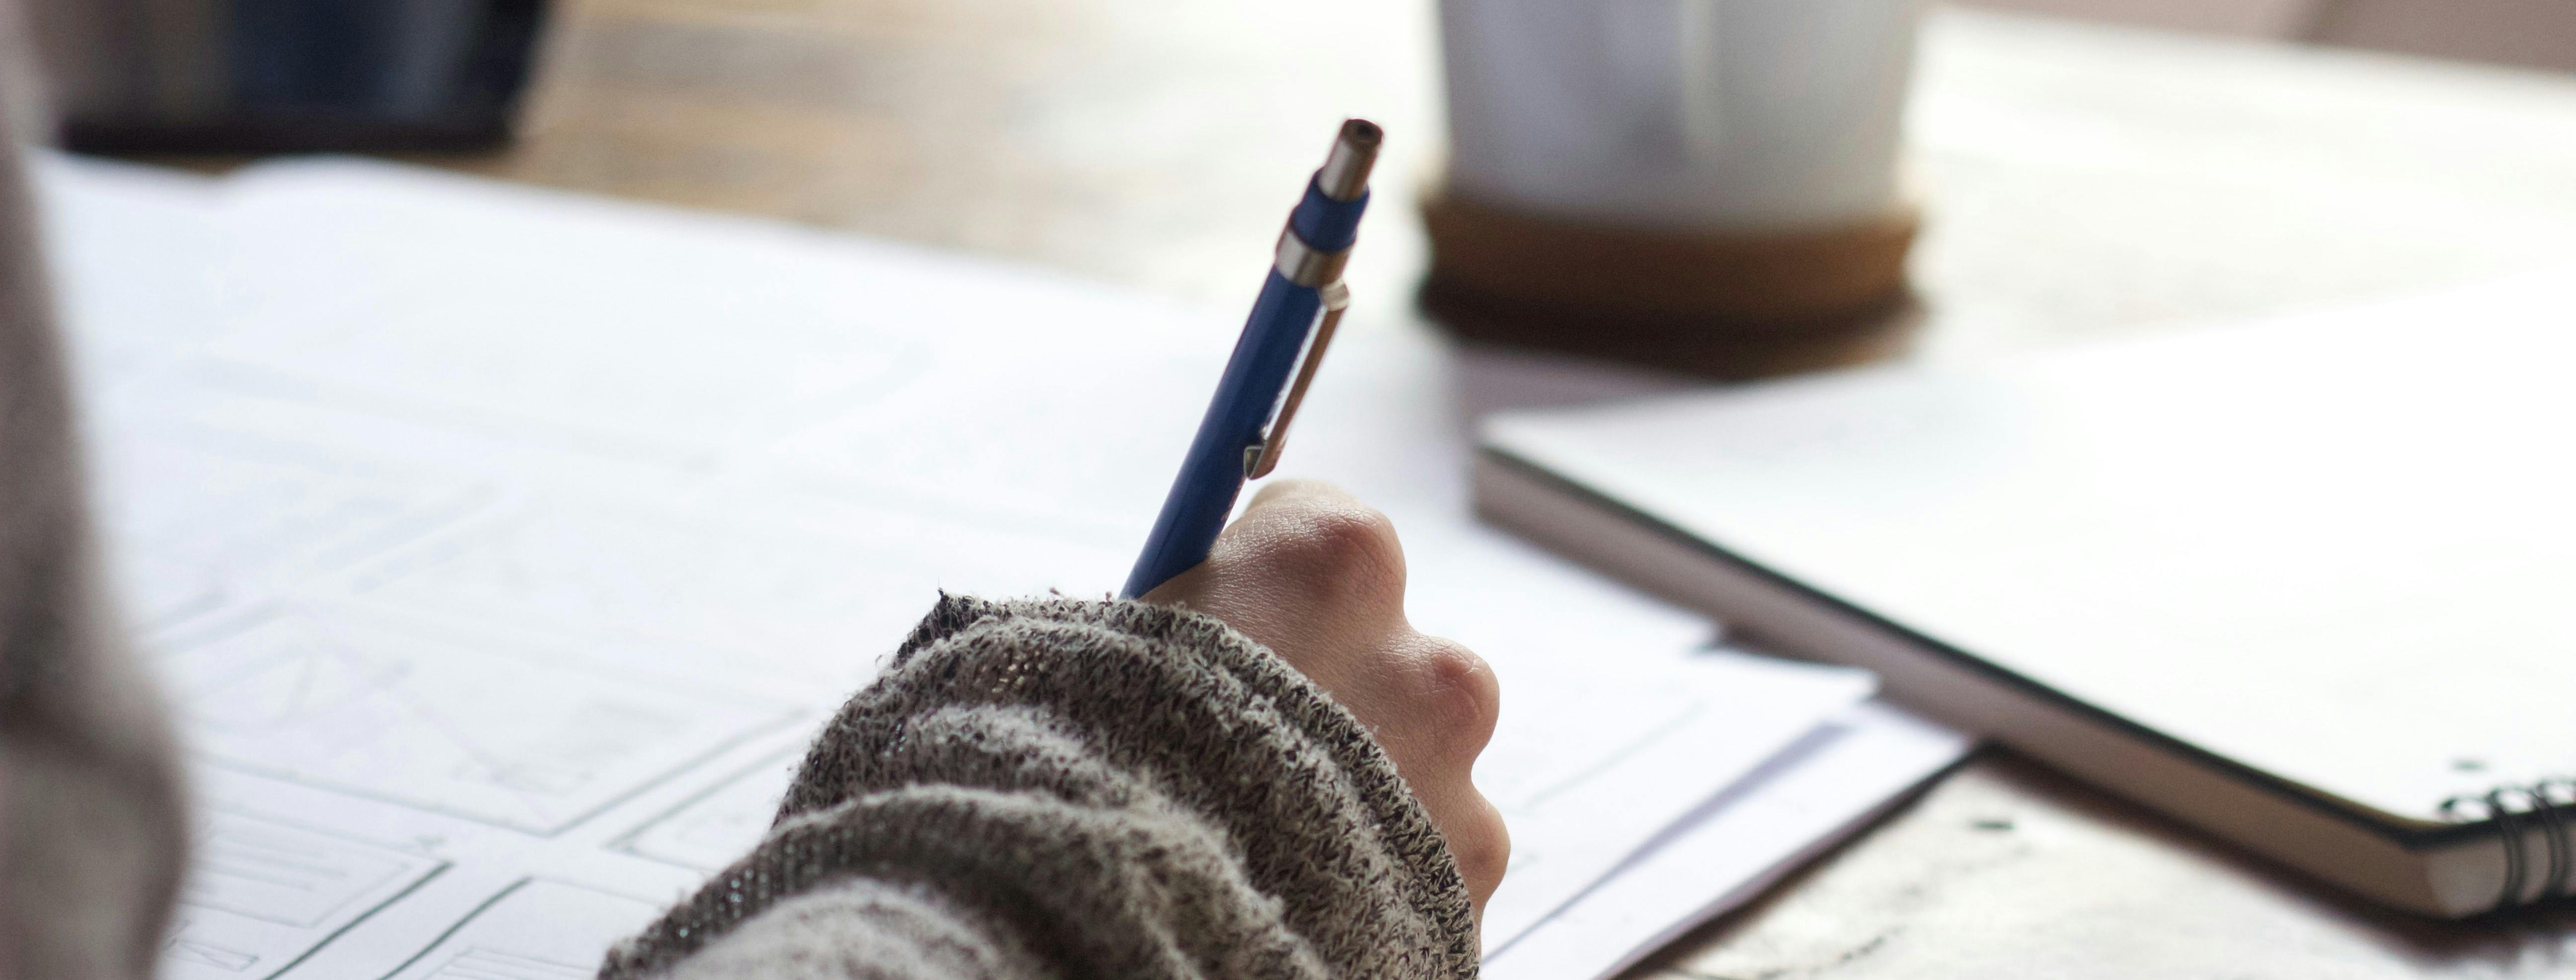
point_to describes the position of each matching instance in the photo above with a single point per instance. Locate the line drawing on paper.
(532, 929)
(440, 724)
(711, 828)
(262, 895)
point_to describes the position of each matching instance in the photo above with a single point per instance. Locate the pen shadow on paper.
(2010, 866)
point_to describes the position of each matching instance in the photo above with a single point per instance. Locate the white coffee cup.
(1733, 115)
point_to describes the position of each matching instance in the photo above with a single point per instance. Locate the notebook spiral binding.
(2550, 805)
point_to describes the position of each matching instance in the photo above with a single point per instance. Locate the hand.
(1318, 578)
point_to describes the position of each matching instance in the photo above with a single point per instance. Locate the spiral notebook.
(2304, 583)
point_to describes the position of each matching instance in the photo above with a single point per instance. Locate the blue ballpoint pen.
(1299, 306)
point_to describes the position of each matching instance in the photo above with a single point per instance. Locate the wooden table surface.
(2079, 182)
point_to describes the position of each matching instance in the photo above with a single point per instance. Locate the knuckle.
(1354, 538)
(1460, 691)
(1482, 845)
(1340, 549)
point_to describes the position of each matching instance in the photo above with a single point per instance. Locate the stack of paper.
(502, 548)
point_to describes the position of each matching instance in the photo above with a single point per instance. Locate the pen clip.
(1263, 456)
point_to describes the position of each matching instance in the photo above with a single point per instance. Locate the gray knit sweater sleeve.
(1075, 789)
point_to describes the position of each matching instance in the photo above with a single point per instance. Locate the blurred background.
(2100, 165)
(286, 75)
(2537, 33)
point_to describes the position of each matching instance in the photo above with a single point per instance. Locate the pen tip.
(1361, 132)
(1345, 173)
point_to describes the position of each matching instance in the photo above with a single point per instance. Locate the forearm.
(1110, 787)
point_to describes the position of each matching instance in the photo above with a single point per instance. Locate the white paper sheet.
(507, 545)
(1578, 804)
(1735, 845)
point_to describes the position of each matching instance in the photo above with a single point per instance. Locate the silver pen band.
(1306, 267)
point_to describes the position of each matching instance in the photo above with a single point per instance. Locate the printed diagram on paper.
(533, 929)
(440, 724)
(499, 552)
(264, 892)
(713, 829)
